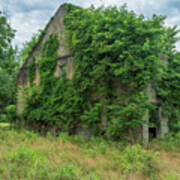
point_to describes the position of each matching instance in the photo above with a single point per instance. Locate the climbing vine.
(116, 54)
(38, 103)
(124, 53)
(32, 70)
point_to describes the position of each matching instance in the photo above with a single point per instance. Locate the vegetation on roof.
(110, 46)
(30, 46)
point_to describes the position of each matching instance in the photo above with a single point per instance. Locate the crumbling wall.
(55, 27)
(21, 83)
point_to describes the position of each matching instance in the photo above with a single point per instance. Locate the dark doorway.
(154, 123)
(152, 133)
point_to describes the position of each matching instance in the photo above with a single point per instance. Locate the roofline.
(37, 45)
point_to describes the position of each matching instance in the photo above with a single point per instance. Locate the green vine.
(116, 54)
(32, 70)
(39, 103)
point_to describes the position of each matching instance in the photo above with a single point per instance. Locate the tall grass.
(26, 155)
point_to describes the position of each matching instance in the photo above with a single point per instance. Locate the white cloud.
(27, 16)
(26, 25)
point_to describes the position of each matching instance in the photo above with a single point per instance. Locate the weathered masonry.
(56, 27)
(64, 57)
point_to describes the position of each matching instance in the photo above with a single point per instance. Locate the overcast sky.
(27, 16)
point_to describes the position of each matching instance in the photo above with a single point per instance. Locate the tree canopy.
(8, 65)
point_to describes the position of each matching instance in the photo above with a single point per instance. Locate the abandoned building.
(65, 59)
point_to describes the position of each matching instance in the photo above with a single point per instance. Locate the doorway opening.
(152, 133)
(154, 123)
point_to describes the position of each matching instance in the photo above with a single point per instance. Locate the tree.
(8, 65)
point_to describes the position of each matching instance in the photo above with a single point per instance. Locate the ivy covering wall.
(32, 70)
(116, 54)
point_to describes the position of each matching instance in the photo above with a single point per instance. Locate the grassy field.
(4, 125)
(25, 155)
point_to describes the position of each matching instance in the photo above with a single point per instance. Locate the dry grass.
(45, 157)
(170, 165)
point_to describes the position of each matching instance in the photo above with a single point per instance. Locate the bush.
(136, 159)
(4, 118)
(11, 111)
(169, 142)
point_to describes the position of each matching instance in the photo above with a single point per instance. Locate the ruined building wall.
(55, 27)
(65, 59)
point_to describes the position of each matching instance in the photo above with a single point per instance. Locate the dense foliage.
(6, 86)
(32, 70)
(169, 90)
(116, 55)
(39, 108)
(8, 67)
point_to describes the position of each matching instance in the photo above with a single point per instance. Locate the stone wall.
(55, 27)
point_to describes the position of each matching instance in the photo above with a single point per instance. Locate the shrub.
(11, 111)
(169, 142)
(135, 158)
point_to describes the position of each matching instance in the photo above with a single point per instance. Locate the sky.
(28, 16)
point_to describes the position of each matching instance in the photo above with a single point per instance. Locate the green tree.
(8, 65)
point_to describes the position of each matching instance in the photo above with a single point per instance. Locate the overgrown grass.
(28, 156)
(169, 143)
(4, 125)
